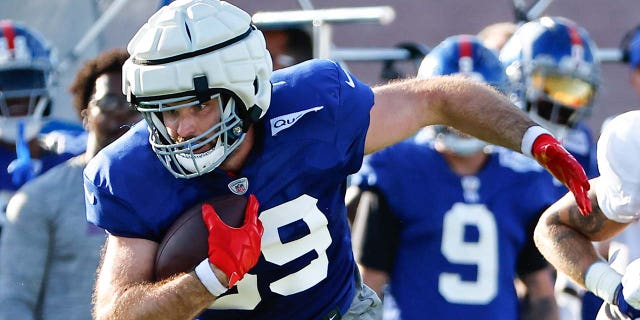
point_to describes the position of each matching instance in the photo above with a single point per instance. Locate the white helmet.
(186, 54)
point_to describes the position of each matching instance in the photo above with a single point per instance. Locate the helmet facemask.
(558, 100)
(182, 158)
(449, 139)
(463, 55)
(25, 98)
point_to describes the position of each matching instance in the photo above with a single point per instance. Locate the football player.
(565, 238)
(553, 65)
(30, 141)
(443, 219)
(47, 243)
(218, 119)
(555, 73)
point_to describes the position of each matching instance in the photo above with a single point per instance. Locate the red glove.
(234, 250)
(562, 165)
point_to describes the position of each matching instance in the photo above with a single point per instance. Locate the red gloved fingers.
(234, 250)
(580, 193)
(251, 213)
(562, 165)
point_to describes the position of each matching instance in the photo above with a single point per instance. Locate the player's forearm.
(469, 106)
(567, 249)
(481, 111)
(180, 297)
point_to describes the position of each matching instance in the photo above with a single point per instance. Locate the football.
(185, 244)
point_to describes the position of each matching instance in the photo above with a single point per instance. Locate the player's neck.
(237, 159)
(468, 165)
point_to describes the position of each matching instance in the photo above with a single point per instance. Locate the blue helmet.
(463, 55)
(26, 77)
(554, 69)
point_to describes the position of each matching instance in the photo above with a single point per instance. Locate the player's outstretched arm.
(401, 108)
(124, 288)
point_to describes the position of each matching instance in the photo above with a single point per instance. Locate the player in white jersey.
(564, 237)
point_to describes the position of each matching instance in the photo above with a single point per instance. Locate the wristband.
(530, 137)
(602, 280)
(208, 278)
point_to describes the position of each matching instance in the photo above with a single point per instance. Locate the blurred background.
(424, 22)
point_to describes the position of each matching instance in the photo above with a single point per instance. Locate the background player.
(47, 245)
(30, 142)
(553, 65)
(565, 239)
(443, 219)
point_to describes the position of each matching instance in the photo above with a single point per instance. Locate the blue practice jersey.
(459, 238)
(311, 138)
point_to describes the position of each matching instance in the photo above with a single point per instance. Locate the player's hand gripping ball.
(225, 229)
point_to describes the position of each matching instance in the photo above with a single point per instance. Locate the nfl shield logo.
(239, 186)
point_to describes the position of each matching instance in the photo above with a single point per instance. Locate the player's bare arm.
(563, 229)
(124, 288)
(403, 107)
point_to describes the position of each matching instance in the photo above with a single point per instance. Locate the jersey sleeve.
(375, 171)
(351, 117)
(120, 221)
(121, 197)
(320, 102)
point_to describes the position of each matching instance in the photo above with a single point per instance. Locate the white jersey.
(618, 190)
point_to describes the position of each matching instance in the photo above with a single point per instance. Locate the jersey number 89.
(275, 251)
